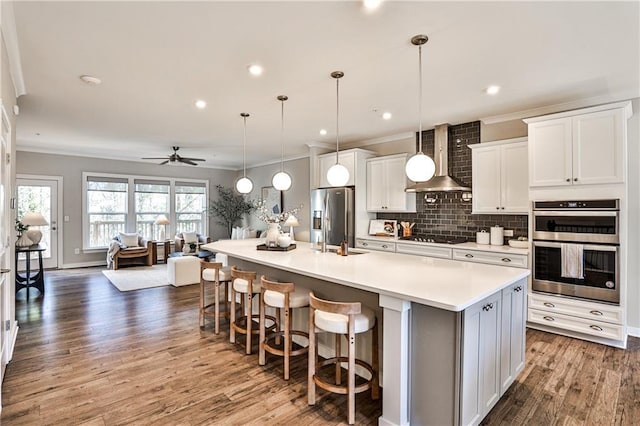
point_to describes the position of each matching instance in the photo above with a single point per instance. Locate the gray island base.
(453, 332)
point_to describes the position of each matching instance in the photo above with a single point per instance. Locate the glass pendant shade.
(420, 167)
(244, 185)
(338, 175)
(281, 181)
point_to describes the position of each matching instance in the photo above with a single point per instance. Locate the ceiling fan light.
(281, 181)
(244, 185)
(420, 167)
(338, 175)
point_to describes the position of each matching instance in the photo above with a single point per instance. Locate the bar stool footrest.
(276, 351)
(343, 389)
(240, 325)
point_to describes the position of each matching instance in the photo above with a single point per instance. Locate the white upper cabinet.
(500, 180)
(579, 147)
(386, 181)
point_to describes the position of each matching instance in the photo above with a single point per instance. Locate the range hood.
(441, 182)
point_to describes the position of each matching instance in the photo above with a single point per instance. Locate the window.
(106, 209)
(117, 203)
(190, 207)
(151, 200)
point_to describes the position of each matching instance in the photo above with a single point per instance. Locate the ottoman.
(183, 270)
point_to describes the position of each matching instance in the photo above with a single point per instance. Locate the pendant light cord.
(420, 98)
(337, 119)
(282, 135)
(244, 149)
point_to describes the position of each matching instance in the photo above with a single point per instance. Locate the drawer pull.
(384, 246)
(549, 318)
(365, 244)
(506, 259)
(549, 305)
(469, 256)
(596, 313)
(595, 327)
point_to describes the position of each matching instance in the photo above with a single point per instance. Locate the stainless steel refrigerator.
(333, 208)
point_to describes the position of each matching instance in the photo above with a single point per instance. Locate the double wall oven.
(586, 233)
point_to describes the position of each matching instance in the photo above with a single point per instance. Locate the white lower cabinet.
(591, 318)
(480, 375)
(502, 259)
(512, 339)
(376, 245)
(422, 250)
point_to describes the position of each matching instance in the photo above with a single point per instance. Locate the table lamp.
(34, 219)
(291, 222)
(163, 222)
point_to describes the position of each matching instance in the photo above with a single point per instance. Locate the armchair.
(183, 238)
(129, 249)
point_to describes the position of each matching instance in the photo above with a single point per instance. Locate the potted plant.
(229, 208)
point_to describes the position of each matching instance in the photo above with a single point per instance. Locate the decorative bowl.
(519, 244)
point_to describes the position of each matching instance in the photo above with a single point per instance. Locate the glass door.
(41, 195)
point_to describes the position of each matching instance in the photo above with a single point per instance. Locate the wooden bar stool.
(285, 296)
(342, 319)
(243, 282)
(214, 273)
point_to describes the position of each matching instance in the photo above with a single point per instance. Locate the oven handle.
(575, 213)
(585, 246)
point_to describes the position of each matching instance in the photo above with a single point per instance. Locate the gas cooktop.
(435, 239)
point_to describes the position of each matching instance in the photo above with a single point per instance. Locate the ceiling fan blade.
(187, 161)
(164, 162)
(193, 159)
(153, 158)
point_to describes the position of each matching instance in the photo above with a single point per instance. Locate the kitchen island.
(435, 362)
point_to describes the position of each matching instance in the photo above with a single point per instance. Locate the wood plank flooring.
(87, 354)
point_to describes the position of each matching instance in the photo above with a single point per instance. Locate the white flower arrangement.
(274, 216)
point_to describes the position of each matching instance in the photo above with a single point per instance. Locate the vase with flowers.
(273, 219)
(23, 240)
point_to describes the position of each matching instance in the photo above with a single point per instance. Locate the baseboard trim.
(84, 264)
(633, 331)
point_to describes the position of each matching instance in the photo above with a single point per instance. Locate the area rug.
(138, 277)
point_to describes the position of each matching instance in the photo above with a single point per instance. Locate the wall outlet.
(77, 251)
(66, 218)
(508, 232)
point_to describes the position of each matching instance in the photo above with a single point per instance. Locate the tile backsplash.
(450, 215)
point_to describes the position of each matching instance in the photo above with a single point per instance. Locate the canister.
(497, 235)
(483, 237)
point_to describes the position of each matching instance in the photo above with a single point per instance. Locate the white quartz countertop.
(441, 283)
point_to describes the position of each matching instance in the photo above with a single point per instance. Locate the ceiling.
(155, 59)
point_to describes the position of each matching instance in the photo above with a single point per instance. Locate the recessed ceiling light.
(372, 4)
(89, 79)
(492, 90)
(386, 115)
(323, 132)
(200, 104)
(255, 69)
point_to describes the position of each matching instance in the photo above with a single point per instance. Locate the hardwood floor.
(87, 354)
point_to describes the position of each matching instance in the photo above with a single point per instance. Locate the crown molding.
(10, 36)
(382, 139)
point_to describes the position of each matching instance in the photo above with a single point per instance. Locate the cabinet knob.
(506, 259)
(468, 255)
(497, 208)
(595, 327)
(384, 246)
(365, 244)
(518, 289)
(568, 180)
(487, 307)
(549, 318)
(502, 208)
(575, 179)
(549, 305)
(596, 313)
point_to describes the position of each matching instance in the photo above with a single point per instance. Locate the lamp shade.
(291, 221)
(338, 175)
(162, 220)
(420, 167)
(34, 219)
(244, 185)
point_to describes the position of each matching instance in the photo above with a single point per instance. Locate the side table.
(30, 279)
(167, 248)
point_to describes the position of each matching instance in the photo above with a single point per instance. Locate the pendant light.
(281, 180)
(420, 167)
(244, 184)
(337, 175)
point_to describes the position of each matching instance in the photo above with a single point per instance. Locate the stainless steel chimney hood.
(441, 182)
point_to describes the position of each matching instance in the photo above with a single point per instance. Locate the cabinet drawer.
(514, 260)
(579, 308)
(423, 250)
(376, 245)
(567, 322)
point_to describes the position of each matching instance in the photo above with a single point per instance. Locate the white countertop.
(467, 246)
(442, 283)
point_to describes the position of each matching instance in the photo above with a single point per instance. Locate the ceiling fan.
(175, 158)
